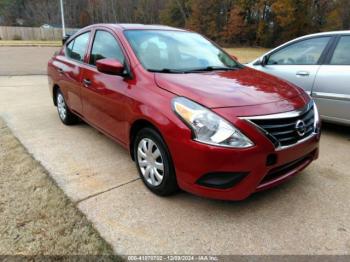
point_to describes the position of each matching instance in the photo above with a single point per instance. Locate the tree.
(248, 22)
(234, 30)
(337, 16)
(176, 13)
(207, 17)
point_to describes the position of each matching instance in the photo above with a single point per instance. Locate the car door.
(297, 62)
(332, 85)
(103, 95)
(69, 67)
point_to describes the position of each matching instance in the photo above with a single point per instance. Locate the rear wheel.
(154, 163)
(66, 116)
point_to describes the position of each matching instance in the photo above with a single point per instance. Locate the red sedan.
(190, 115)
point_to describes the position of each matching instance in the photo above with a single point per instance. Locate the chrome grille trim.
(289, 114)
(276, 132)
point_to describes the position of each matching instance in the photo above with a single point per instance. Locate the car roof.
(329, 33)
(147, 27)
(123, 27)
(324, 33)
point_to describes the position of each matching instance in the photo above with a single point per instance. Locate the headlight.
(207, 126)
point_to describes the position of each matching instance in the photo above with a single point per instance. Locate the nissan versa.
(188, 113)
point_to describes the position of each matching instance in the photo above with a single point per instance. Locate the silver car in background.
(318, 63)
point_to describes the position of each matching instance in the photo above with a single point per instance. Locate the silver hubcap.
(61, 106)
(150, 162)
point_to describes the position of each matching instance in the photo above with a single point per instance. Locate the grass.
(29, 43)
(246, 54)
(36, 216)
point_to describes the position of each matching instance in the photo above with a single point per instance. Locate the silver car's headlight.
(207, 126)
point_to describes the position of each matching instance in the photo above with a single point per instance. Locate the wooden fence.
(32, 33)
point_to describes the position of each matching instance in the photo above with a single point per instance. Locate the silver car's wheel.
(150, 161)
(61, 107)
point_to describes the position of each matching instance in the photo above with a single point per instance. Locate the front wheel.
(154, 163)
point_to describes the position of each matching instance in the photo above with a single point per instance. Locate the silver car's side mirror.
(257, 63)
(262, 61)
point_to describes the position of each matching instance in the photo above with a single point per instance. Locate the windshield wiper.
(166, 70)
(193, 70)
(211, 68)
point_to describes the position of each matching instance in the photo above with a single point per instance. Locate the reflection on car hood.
(242, 87)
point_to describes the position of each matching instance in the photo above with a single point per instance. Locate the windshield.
(177, 51)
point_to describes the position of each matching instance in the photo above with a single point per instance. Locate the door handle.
(303, 73)
(86, 82)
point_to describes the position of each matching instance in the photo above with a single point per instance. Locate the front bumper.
(193, 160)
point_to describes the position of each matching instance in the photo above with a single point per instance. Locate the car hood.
(243, 87)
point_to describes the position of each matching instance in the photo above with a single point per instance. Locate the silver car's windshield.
(177, 51)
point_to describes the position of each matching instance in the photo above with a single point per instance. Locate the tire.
(152, 154)
(66, 116)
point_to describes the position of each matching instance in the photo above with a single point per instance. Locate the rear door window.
(76, 49)
(341, 55)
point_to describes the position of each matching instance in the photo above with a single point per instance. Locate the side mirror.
(65, 38)
(264, 60)
(110, 66)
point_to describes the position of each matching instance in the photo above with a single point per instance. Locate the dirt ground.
(36, 216)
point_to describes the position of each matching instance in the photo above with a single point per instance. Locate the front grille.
(289, 128)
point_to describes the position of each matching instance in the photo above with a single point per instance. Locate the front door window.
(306, 52)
